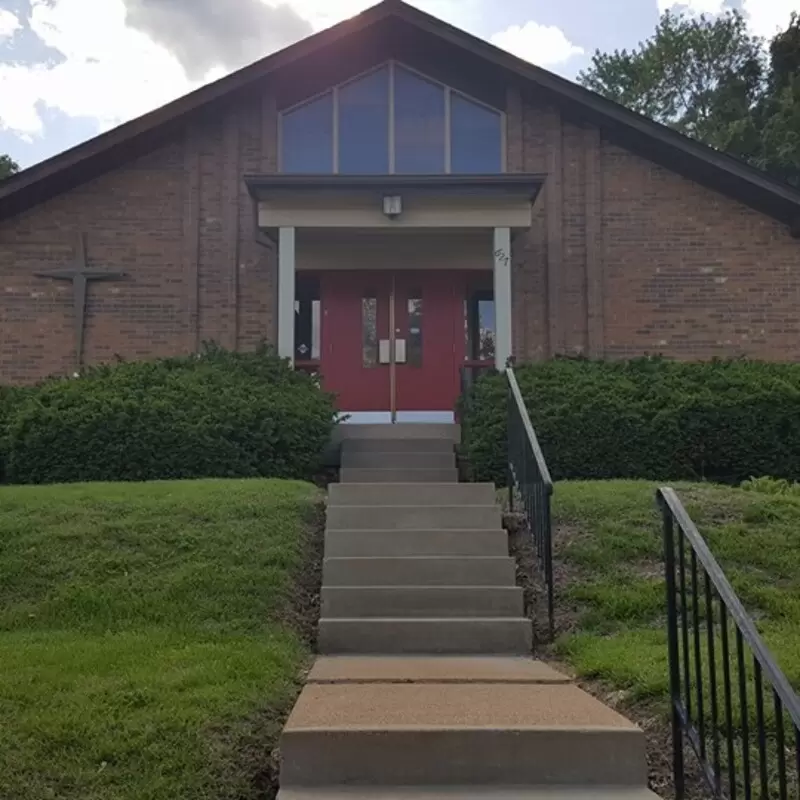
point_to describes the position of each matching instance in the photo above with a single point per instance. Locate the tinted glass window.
(475, 138)
(418, 124)
(364, 125)
(307, 319)
(480, 326)
(307, 137)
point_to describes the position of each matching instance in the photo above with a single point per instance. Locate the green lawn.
(609, 540)
(147, 647)
(611, 600)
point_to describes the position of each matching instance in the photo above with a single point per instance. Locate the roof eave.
(527, 184)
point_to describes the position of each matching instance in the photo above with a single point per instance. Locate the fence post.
(672, 643)
(509, 451)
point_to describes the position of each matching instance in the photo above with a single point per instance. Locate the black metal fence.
(731, 704)
(530, 487)
(469, 374)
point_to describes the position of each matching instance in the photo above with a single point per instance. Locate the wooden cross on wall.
(80, 275)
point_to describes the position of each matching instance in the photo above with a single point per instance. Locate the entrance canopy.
(400, 306)
(395, 201)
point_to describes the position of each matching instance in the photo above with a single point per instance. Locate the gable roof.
(640, 134)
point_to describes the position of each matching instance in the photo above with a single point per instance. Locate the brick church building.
(394, 203)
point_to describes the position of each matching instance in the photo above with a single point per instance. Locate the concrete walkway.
(425, 687)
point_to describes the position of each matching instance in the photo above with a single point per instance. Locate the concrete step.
(398, 475)
(432, 669)
(405, 430)
(419, 571)
(467, 793)
(399, 446)
(422, 601)
(421, 518)
(485, 635)
(412, 494)
(458, 734)
(375, 460)
(415, 543)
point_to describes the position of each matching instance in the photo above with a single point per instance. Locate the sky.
(70, 69)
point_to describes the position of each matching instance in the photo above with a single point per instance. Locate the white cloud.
(112, 72)
(765, 17)
(112, 77)
(692, 6)
(9, 24)
(541, 44)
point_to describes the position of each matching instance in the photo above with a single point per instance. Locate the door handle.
(399, 351)
(384, 351)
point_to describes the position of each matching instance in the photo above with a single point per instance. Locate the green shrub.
(10, 399)
(215, 415)
(773, 486)
(647, 418)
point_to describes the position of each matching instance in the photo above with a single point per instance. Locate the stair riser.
(543, 756)
(425, 518)
(418, 572)
(384, 544)
(398, 446)
(420, 602)
(373, 460)
(407, 430)
(411, 494)
(466, 793)
(428, 636)
(357, 475)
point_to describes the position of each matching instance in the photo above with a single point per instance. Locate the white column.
(286, 250)
(502, 296)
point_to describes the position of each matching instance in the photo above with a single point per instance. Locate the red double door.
(392, 341)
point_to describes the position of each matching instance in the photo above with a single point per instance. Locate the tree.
(7, 167)
(709, 78)
(777, 115)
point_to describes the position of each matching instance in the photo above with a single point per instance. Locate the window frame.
(392, 64)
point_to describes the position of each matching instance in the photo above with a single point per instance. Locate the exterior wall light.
(393, 206)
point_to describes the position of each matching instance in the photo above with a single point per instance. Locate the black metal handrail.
(530, 485)
(701, 658)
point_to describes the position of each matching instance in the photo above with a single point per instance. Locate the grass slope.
(146, 644)
(611, 549)
(611, 595)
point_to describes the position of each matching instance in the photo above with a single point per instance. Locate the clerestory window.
(392, 121)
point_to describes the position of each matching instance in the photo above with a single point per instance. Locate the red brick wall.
(132, 218)
(623, 257)
(626, 258)
(691, 273)
(178, 222)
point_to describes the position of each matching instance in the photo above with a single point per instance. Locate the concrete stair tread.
(390, 543)
(415, 493)
(447, 476)
(418, 571)
(412, 517)
(498, 531)
(422, 601)
(392, 458)
(434, 669)
(401, 430)
(478, 635)
(418, 558)
(452, 706)
(409, 445)
(468, 793)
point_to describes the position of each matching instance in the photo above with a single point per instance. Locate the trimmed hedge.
(218, 414)
(10, 399)
(647, 418)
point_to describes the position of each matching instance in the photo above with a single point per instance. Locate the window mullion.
(391, 119)
(335, 136)
(447, 123)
